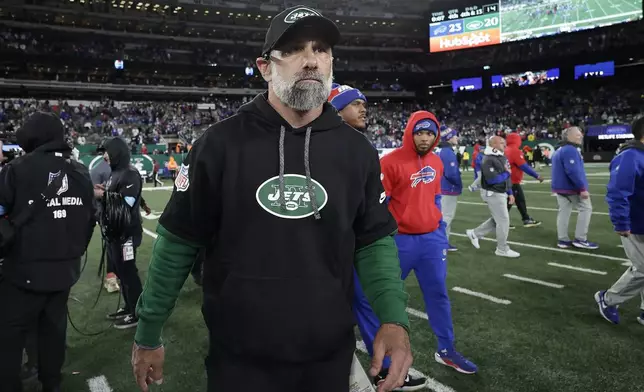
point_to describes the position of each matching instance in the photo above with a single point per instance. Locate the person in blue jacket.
(625, 197)
(570, 185)
(477, 168)
(451, 183)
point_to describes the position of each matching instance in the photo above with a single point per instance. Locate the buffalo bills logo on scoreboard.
(445, 28)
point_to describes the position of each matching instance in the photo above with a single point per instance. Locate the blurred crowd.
(236, 49)
(541, 111)
(137, 122)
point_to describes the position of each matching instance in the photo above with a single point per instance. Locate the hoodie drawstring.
(309, 183)
(282, 198)
(307, 168)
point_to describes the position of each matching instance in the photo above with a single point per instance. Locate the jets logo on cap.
(300, 13)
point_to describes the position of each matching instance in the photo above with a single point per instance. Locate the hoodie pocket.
(289, 320)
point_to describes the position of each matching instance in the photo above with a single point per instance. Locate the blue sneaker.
(640, 318)
(610, 313)
(454, 359)
(564, 244)
(451, 248)
(585, 244)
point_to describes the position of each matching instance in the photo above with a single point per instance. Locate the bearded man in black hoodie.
(286, 199)
(121, 220)
(47, 197)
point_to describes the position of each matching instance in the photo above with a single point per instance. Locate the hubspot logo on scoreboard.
(467, 40)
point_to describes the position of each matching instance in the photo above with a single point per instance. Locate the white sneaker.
(473, 239)
(508, 253)
(111, 285)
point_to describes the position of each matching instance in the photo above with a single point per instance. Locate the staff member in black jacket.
(43, 262)
(122, 195)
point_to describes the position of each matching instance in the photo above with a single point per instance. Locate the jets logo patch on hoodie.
(297, 200)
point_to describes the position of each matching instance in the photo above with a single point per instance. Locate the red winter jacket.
(413, 183)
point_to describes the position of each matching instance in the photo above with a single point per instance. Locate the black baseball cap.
(298, 17)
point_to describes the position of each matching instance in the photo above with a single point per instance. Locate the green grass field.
(546, 339)
(517, 24)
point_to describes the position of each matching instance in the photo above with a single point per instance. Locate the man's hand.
(584, 195)
(511, 199)
(540, 179)
(393, 341)
(147, 366)
(99, 191)
(626, 233)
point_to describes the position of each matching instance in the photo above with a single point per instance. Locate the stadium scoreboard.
(483, 23)
(460, 28)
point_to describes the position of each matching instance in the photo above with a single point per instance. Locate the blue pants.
(426, 254)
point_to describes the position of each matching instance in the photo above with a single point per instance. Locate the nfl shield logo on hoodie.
(182, 182)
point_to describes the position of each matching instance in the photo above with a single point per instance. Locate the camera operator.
(100, 175)
(47, 200)
(122, 225)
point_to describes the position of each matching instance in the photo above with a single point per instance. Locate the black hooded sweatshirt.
(278, 280)
(47, 250)
(125, 180)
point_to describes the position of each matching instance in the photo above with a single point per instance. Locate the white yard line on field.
(417, 313)
(535, 182)
(535, 281)
(481, 295)
(531, 182)
(431, 383)
(580, 269)
(150, 233)
(550, 193)
(158, 188)
(99, 384)
(532, 208)
(572, 252)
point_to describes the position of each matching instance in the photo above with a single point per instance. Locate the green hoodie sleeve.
(378, 269)
(172, 260)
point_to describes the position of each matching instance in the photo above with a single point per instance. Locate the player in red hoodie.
(411, 176)
(519, 165)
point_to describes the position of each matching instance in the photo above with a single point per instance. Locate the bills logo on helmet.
(182, 182)
(425, 175)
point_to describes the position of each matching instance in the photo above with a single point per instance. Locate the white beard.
(302, 96)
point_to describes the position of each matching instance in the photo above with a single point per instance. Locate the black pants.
(228, 373)
(127, 273)
(519, 200)
(109, 263)
(31, 346)
(20, 310)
